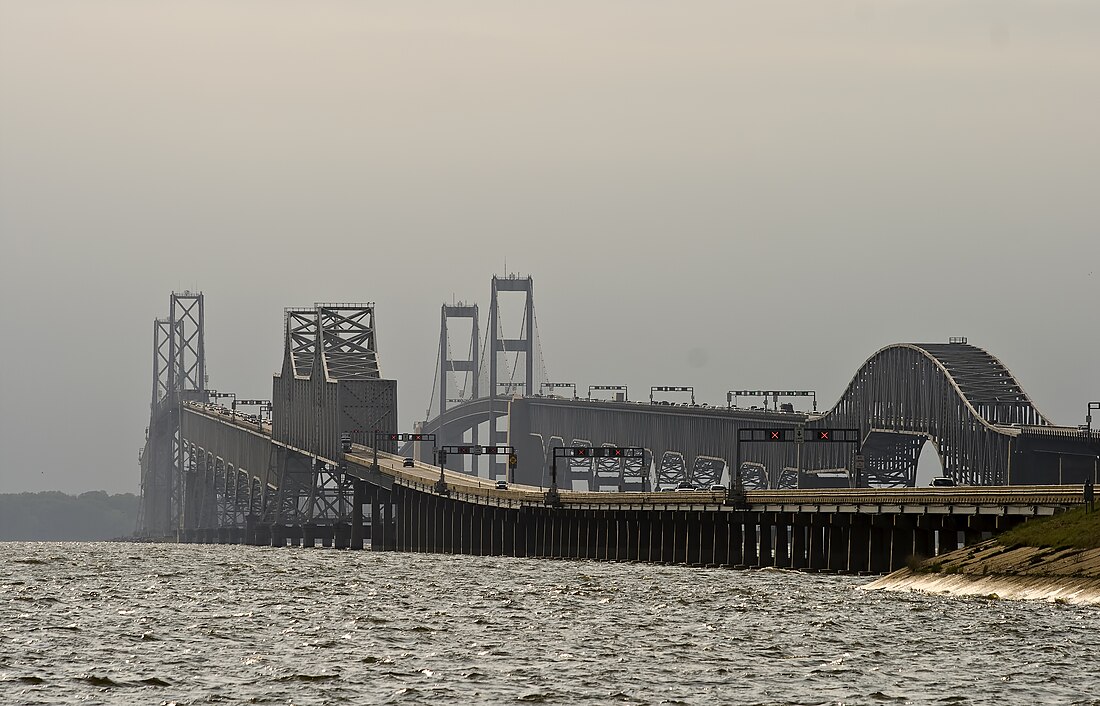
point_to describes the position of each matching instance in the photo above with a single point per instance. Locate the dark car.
(409, 463)
(943, 482)
(684, 485)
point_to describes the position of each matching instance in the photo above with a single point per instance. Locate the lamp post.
(441, 484)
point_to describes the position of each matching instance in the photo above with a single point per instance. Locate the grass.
(1075, 528)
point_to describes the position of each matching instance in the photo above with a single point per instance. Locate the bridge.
(322, 466)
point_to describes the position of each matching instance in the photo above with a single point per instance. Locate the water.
(105, 623)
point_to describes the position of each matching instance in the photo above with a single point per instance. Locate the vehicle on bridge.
(943, 482)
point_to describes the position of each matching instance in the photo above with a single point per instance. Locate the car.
(409, 463)
(943, 482)
(502, 485)
(718, 487)
(684, 486)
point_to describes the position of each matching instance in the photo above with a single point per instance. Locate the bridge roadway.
(976, 500)
(839, 530)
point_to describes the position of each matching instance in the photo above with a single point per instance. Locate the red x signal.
(775, 435)
(823, 435)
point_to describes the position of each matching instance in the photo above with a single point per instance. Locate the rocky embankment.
(1054, 559)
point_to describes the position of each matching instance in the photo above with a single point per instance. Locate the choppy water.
(129, 623)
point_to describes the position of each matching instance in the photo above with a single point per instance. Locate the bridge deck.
(979, 500)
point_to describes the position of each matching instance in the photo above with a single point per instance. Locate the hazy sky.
(754, 194)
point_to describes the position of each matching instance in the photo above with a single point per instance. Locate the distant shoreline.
(53, 516)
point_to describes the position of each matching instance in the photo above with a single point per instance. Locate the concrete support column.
(924, 536)
(549, 536)
(881, 535)
(764, 553)
(782, 540)
(542, 534)
(533, 522)
(800, 544)
(376, 522)
(278, 536)
(477, 529)
(706, 522)
(645, 536)
(817, 547)
(736, 538)
(902, 540)
(859, 544)
(751, 539)
(588, 545)
(720, 534)
(359, 496)
(573, 533)
(341, 535)
(838, 534)
(309, 535)
(667, 518)
(947, 539)
(693, 522)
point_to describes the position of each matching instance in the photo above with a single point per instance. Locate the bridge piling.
(839, 540)
(359, 498)
(859, 544)
(800, 525)
(767, 540)
(902, 541)
(879, 543)
(782, 540)
(341, 535)
(924, 537)
(277, 535)
(750, 554)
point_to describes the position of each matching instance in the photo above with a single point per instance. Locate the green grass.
(1075, 528)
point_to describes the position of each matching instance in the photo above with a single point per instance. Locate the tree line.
(55, 516)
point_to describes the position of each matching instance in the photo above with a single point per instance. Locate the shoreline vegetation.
(1054, 558)
(54, 516)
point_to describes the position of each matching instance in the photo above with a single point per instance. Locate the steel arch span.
(958, 396)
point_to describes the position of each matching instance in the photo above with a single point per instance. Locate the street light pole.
(441, 484)
(552, 496)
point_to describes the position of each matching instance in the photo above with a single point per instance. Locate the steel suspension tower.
(179, 373)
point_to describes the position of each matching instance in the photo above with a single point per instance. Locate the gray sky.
(757, 194)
